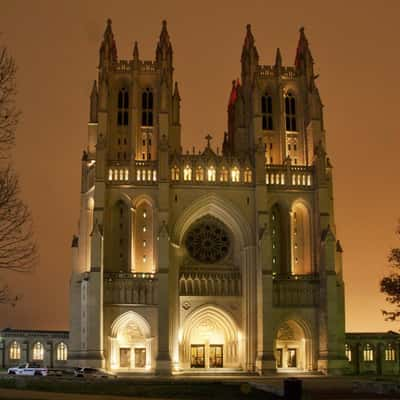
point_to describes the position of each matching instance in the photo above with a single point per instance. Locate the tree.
(390, 285)
(18, 250)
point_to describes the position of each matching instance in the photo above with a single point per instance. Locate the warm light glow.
(211, 174)
(187, 173)
(247, 175)
(235, 174)
(199, 174)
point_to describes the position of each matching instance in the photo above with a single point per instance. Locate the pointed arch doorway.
(130, 343)
(293, 348)
(210, 339)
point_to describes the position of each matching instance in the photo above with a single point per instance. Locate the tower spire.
(249, 57)
(304, 59)
(135, 51)
(278, 58)
(164, 47)
(93, 103)
(108, 48)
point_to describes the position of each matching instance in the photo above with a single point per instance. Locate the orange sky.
(356, 50)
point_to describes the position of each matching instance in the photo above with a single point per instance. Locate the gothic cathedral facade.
(206, 260)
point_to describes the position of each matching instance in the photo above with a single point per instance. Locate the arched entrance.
(130, 343)
(293, 351)
(210, 339)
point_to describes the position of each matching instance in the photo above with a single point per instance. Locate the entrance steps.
(215, 372)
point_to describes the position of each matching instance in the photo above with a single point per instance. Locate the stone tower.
(199, 260)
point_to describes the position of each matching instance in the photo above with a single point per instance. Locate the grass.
(129, 387)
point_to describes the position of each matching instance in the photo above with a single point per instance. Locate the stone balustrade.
(130, 288)
(295, 290)
(286, 176)
(210, 283)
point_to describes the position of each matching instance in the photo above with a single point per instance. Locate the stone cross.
(208, 138)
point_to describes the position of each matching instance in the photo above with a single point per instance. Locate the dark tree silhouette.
(18, 251)
(390, 285)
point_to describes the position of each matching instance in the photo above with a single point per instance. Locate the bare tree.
(18, 251)
(390, 284)
(8, 112)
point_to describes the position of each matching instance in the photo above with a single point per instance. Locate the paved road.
(315, 388)
(8, 394)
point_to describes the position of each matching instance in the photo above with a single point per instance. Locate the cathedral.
(219, 260)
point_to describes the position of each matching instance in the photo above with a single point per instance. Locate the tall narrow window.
(123, 107)
(187, 173)
(175, 173)
(290, 111)
(15, 351)
(266, 112)
(199, 174)
(223, 176)
(235, 174)
(143, 238)
(211, 174)
(62, 352)
(37, 352)
(147, 107)
(300, 239)
(348, 352)
(390, 353)
(368, 353)
(247, 175)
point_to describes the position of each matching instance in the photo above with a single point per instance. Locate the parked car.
(90, 373)
(28, 369)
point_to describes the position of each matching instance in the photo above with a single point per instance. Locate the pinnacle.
(278, 58)
(108, 30)
(135, 50)
(94, 88)
(176, 90)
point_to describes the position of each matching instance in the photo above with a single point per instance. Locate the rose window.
(208, 242)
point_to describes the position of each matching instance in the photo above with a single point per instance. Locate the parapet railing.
(282, 175)
(130, 288)
(296, 290)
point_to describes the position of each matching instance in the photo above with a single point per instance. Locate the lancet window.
(37, 352)
(147, 107)
(223, 176)
(199, 174)
(62, 352)
(235, 174)
(187, 173)
(175, 173)
(290, 111)
(211, 174)
(15, 351)
(368, 353)
(300, 240)
(266, 112)
(123, 107)
(144, 238)
(247, 175)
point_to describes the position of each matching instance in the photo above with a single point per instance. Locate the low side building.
(367, 353)
(373, 353)
(47, 348)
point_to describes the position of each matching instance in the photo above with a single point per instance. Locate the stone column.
(163, 361)
(249, 307)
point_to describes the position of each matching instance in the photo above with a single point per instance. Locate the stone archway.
(210, 339)
(293, 347)
(130, 343)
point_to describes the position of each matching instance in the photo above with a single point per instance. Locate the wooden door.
(140, 357)
(292, 358)
(216, 356)
(124, 358)
(279, 358)
(197, 356)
